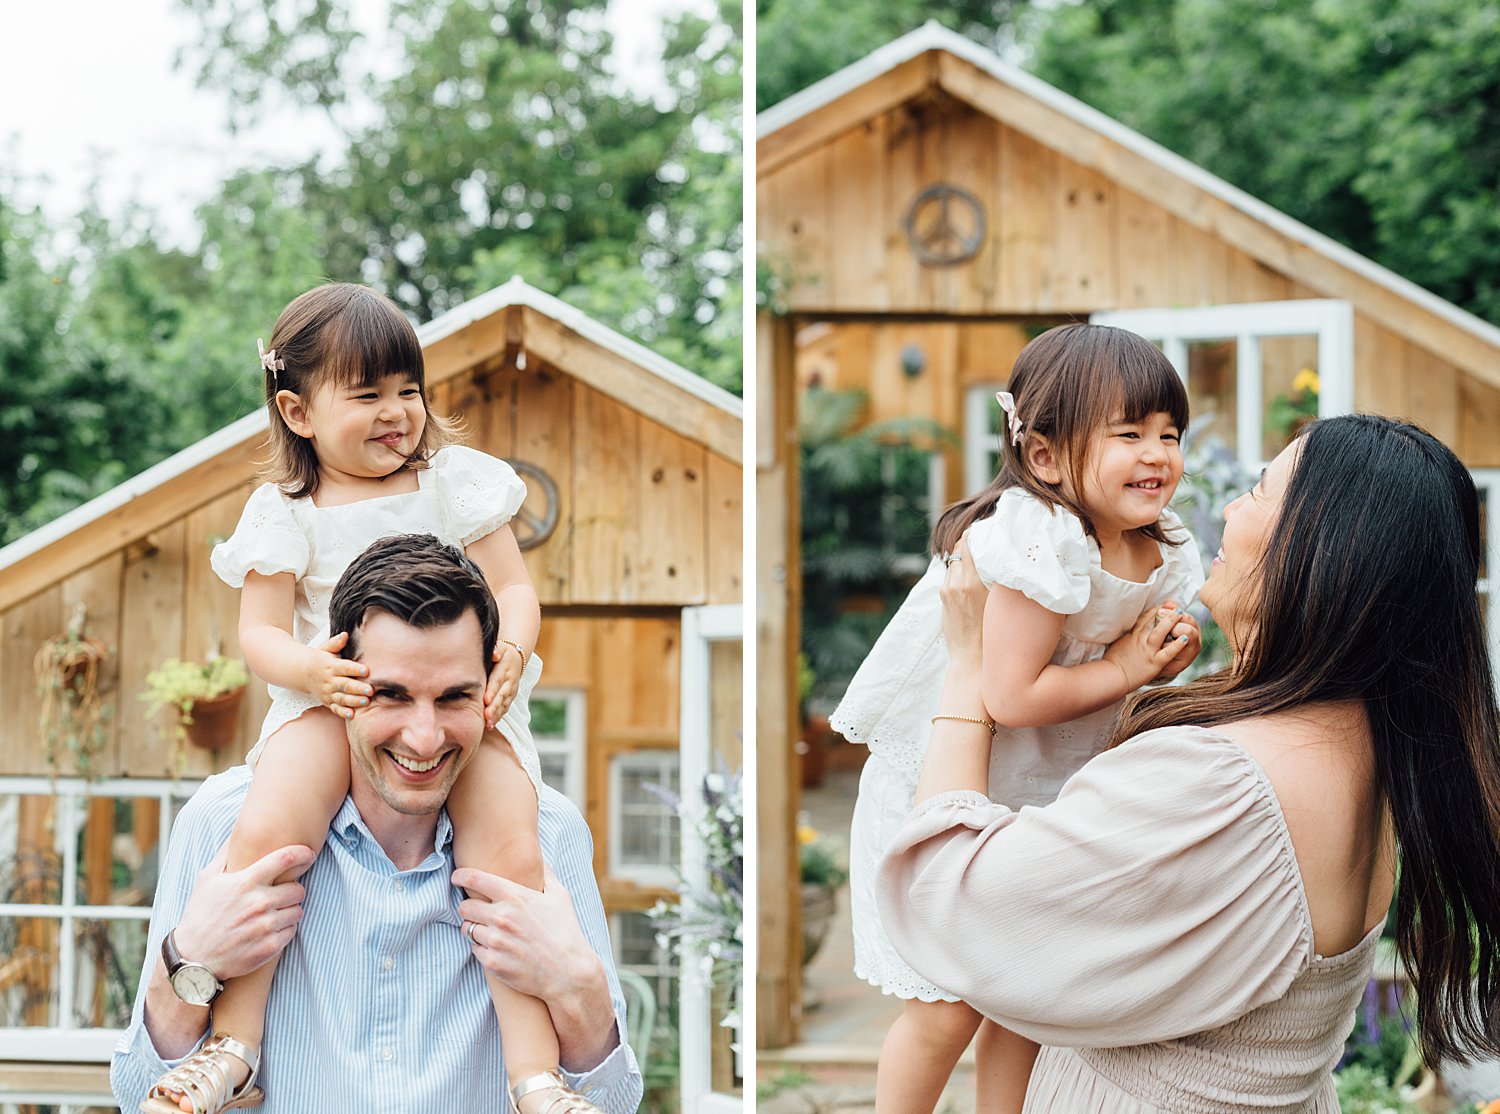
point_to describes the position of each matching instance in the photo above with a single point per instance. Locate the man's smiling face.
(426, 715)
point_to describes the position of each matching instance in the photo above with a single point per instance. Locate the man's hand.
(532, 941)
(235, 922)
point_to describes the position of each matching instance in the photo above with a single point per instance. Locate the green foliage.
(181, 684)
(1362, 1090)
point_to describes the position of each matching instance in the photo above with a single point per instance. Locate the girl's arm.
(1022, 688)
(499, 558)
(266, 608)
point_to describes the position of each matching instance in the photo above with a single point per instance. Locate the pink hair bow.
(268, 360)
(1008, 404)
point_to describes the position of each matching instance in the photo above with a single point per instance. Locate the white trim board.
(934, 36)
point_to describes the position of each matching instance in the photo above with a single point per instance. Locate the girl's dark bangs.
(1151, 386)
(368, 342)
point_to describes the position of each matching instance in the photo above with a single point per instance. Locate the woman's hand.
(1185, 627)
(1147, 649)
(963, 595)
(334, 680)
(503, 684)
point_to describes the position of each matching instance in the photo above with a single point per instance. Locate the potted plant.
(206, 695)
(67, 682)
(823, 872)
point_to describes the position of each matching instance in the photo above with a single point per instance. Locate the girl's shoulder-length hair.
(334, 336)
(1368, 591)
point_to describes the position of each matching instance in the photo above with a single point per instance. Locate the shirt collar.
(350, 825)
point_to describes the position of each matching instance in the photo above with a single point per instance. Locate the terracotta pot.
(215, 719)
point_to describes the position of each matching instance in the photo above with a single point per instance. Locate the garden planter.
(214, 720)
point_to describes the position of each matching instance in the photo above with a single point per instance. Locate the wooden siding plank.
(861, 232)
(1432, 395)
(671, 566)
(1479, 407)
(1380, 356)
(151, 628)
(724, 531)
(1199, 266)
(606, 501)
(27, 626)
(1141, 239)
(544, 437)
(97, 588)
(907, 172)
(1027, 223)
(1085, 246)
(1250, 280)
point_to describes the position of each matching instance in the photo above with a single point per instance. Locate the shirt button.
(388, 963)
(385, 1054)
(399, 885)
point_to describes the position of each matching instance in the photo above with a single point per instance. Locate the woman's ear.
(1042, 461)
(293, 413)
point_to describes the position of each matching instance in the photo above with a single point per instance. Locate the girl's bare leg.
(493, 807)
(301, 779)
(1003, 1063)
(919, 1053)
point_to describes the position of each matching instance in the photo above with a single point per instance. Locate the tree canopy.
(502, 142)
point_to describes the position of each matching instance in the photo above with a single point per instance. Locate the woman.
(1189, 926)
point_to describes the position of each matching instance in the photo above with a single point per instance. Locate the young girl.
(356, 456)
(1076, 541)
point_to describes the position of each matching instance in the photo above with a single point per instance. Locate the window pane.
(1289, 389)
(649, 835)
(28, 973)
(117, 850)
(549, 718)
(30, 859)
(1211, 389)
(108, 965)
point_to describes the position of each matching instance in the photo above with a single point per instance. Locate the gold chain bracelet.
(968, 719)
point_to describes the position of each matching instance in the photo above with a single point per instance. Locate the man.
(375, 1005)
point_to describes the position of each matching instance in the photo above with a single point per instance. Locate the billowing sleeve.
(1036, 549)
(1157, 896)
(482, 492)
(1183, 572)
(267, 540)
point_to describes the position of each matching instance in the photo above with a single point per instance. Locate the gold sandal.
(565, 1101)
(205, 1078)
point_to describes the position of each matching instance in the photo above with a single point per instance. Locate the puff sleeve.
(1157, 896)
(481, 492)
(1183, 574)
(1036, 549)
(267, 540)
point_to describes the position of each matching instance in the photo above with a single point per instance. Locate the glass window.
(645, 836)
(559, 726)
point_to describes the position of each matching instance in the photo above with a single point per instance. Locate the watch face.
(195, 984)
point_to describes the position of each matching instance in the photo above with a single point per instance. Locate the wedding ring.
(948, 560)
(469, 927)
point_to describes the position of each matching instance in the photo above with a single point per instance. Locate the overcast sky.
(89, 84)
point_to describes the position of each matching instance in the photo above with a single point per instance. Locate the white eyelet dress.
(463, 495)
(1044, 553)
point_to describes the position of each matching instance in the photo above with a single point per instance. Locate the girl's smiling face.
(364, 432)
(1230, 592)
(1131, 473)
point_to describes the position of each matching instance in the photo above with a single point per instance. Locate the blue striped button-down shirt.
(377, 1007)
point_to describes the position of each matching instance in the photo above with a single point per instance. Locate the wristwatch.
(194, 983)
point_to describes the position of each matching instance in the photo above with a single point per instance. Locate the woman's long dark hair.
(1367, 591)
(1068, 384)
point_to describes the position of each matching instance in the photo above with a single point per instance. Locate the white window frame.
(572, 745)
(700, 627)
(68, 1042)
(662, 875)
(979, 443)
(1331, 321)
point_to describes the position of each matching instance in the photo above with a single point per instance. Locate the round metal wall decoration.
(944, 226)
(537, 518)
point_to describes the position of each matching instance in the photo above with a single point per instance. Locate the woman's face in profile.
(1231, 590)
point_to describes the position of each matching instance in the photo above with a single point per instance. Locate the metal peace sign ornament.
(534, 522)
(944, 226)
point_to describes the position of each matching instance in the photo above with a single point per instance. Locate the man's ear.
(1043, 462)
(294, 413)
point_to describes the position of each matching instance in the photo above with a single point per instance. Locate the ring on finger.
(469, 927)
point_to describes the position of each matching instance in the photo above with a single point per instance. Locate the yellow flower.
(1489, 1108)
(1306, 380)
(806, 833)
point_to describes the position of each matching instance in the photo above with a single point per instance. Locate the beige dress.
(1149, 928)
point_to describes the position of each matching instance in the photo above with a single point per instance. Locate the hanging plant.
(206, 696)
(67, 682)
